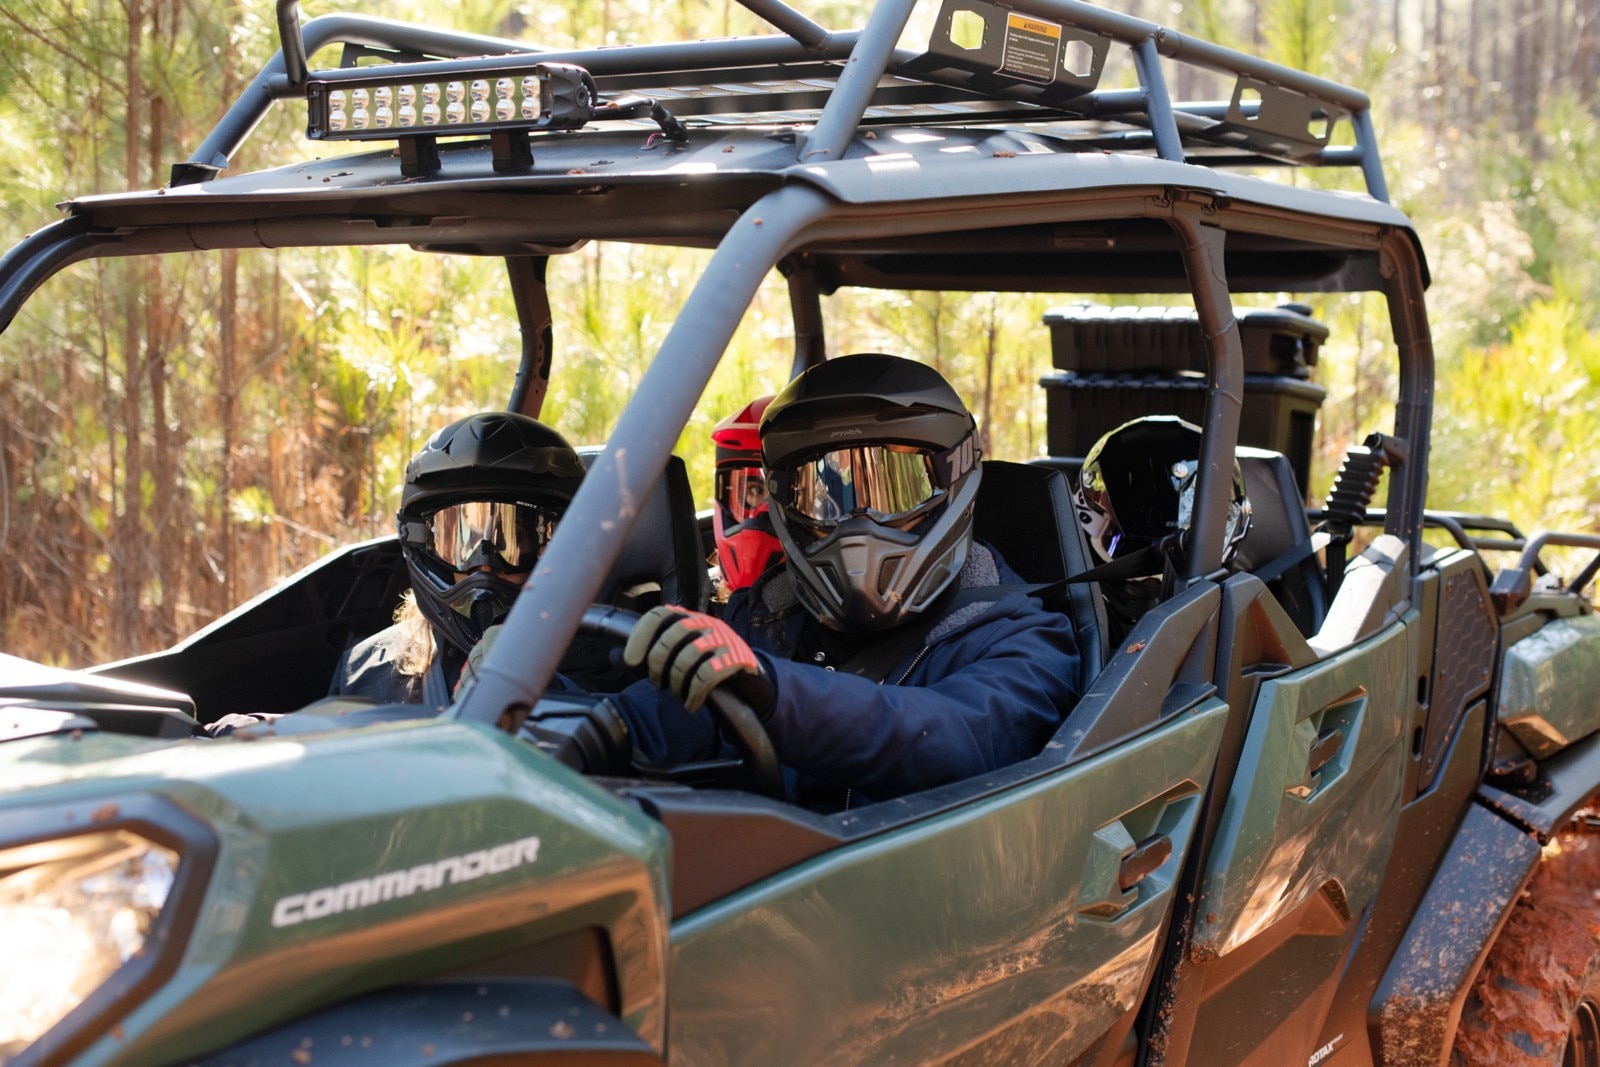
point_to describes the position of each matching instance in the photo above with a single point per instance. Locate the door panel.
(1017, 929)
(1313, 806)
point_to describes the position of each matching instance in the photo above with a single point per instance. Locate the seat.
(1069, 466)
(1025, 511)
(1278, 524)
(661, 562)
(1278, 527)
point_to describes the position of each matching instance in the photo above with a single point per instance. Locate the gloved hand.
(469, 669)
(248, 725)
(689, 654)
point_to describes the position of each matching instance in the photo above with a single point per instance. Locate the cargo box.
(1116, 364)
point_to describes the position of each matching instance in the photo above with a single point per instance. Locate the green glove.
(469, 669)
(689, 654)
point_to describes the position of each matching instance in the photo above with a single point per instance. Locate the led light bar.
(390, 103)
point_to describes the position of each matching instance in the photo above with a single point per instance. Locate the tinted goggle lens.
(463, 535)
(882, 482)
(742, 493)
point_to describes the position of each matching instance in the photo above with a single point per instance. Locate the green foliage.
(992, 347)
(1305, 34)
(1358, 368)
(1521, 420)
(1560, 197)
(252, 506)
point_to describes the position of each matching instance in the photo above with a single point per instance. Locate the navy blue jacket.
(988, 688)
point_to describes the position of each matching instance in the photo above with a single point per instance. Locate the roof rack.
(1038, 62)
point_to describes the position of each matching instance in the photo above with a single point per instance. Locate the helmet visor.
(884, 482)
(506, 536)
(741, 493)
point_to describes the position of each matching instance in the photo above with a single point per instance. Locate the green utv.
(1286, 823)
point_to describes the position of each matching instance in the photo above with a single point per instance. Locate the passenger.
(480, 502)
(1135, 497)
(746, 545)
(890, 652)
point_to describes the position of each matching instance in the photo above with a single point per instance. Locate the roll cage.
(843, 159)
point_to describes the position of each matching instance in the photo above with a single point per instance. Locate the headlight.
(97, 902)
(72, 912)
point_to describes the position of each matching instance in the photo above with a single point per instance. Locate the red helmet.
(744, 548)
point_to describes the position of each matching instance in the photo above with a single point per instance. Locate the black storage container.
(1116, 364)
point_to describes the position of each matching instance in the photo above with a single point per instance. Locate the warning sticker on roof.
(1032, 49)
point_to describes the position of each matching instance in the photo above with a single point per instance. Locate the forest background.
(178, 433)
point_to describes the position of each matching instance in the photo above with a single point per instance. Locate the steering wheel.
(733, 715)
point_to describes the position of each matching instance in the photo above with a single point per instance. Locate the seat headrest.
(1069, 466)
(1017, 515)
(1278, 512)
(663, 545)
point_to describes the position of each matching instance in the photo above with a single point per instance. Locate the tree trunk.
(1537, 31)
(1474, 65)
(227, 402)
(991, 338)
(1441, 76)
(1518, 62)
(227, 362)
(127, 551)
(126, 543)
(165, 524)
(1586, 63)
(1498, 63)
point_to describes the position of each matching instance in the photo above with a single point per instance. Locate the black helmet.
(1137, 488)
(873, 465)
(484, 492)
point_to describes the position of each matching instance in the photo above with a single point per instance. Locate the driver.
(480, 502)
(890, 652)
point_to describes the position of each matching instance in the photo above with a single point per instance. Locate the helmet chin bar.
(482, 608)
(864, 576)
(462, 611)
(746, 554)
